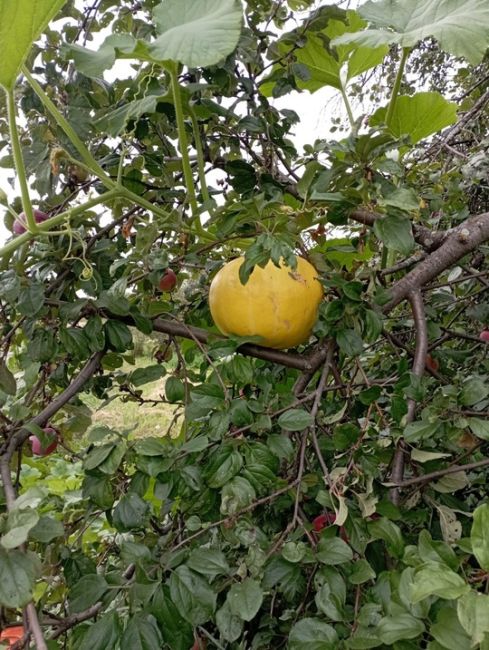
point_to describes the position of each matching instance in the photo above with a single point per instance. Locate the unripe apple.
(19, 224)
(168, 280)
(36, 444)
(484, 336)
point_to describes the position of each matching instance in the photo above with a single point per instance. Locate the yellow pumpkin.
(278, 304)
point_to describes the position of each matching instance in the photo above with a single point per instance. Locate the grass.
(144, 419)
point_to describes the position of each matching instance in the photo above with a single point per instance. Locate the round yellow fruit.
(278, 304)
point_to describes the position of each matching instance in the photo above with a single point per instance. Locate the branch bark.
(421, 349)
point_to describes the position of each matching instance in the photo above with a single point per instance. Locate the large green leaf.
(435, 579)
(418, 116)
(18, 572)
(197, 33)
(473, 613)
(21, 23)
(460, 26)
(245, 599)
(193, 597)
(399, 626)
(313, 634)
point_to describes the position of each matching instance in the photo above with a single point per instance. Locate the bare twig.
(453, 469)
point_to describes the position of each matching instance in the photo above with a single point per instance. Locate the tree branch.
(401, 452)
(8, 448)
(462, 240)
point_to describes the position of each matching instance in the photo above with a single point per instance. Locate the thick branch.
(462, 240)
(288, 359)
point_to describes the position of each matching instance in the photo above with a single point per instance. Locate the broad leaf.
(396, 233)
(245, 599)
(193, 597)
(19, 523)
(437, 579)
(18, 572)
(399, 626)
(418, 116)
(313, 634)
(473, 613)
(21, 23)
(460, 26)
(197, 33)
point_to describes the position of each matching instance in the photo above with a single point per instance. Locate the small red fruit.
(36, 444)
(328, 519)
(19, 224)
(168, 280)
(484, 336)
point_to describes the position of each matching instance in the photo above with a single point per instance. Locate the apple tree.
(327, 496)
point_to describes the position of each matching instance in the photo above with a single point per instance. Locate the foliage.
(331, 496)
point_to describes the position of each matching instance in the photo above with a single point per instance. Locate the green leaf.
(329, 603)
(177, 633)
(104, 634)
(174, 390)
(224, 466)
(479, 535)
(19, 523)
(130, 513)
(18, 572)
(313, 634)
(245, 599)
(390, 533)
(473, 614)
(193, 597)
(229, 625)
(418, 116)
(146, 375)
(420, 430)
(460, 26)
(87, 591)
(21, 24)
(396, 233)
(361, 572)
(398, 627)
(437, 579)
(47, 529)
(236, 495)
(474, 390)
(7, 380)
(448, 631)
(141, 633)
(350, 342)
(403, 198)
(333, 550)
(295, 420)
(479, 427)
(197, 33)
(209, 562)
(118, 336)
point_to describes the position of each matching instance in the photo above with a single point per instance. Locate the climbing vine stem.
(19, 163)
